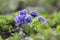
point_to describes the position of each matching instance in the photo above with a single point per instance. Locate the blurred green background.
(7, 6)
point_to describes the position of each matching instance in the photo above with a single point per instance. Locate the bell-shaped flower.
(23, 12)
(28, 19)
(19, 19)
(34, 14)
(42, 20)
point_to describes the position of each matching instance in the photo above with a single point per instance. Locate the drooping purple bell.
(42, 20)
(28, 20)
(34, 14)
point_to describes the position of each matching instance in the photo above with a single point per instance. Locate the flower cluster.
(24, 18)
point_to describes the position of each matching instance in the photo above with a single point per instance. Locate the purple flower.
(28, 20)
(19, 19)
(42, 20)
(23, 12)
(34, 14)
